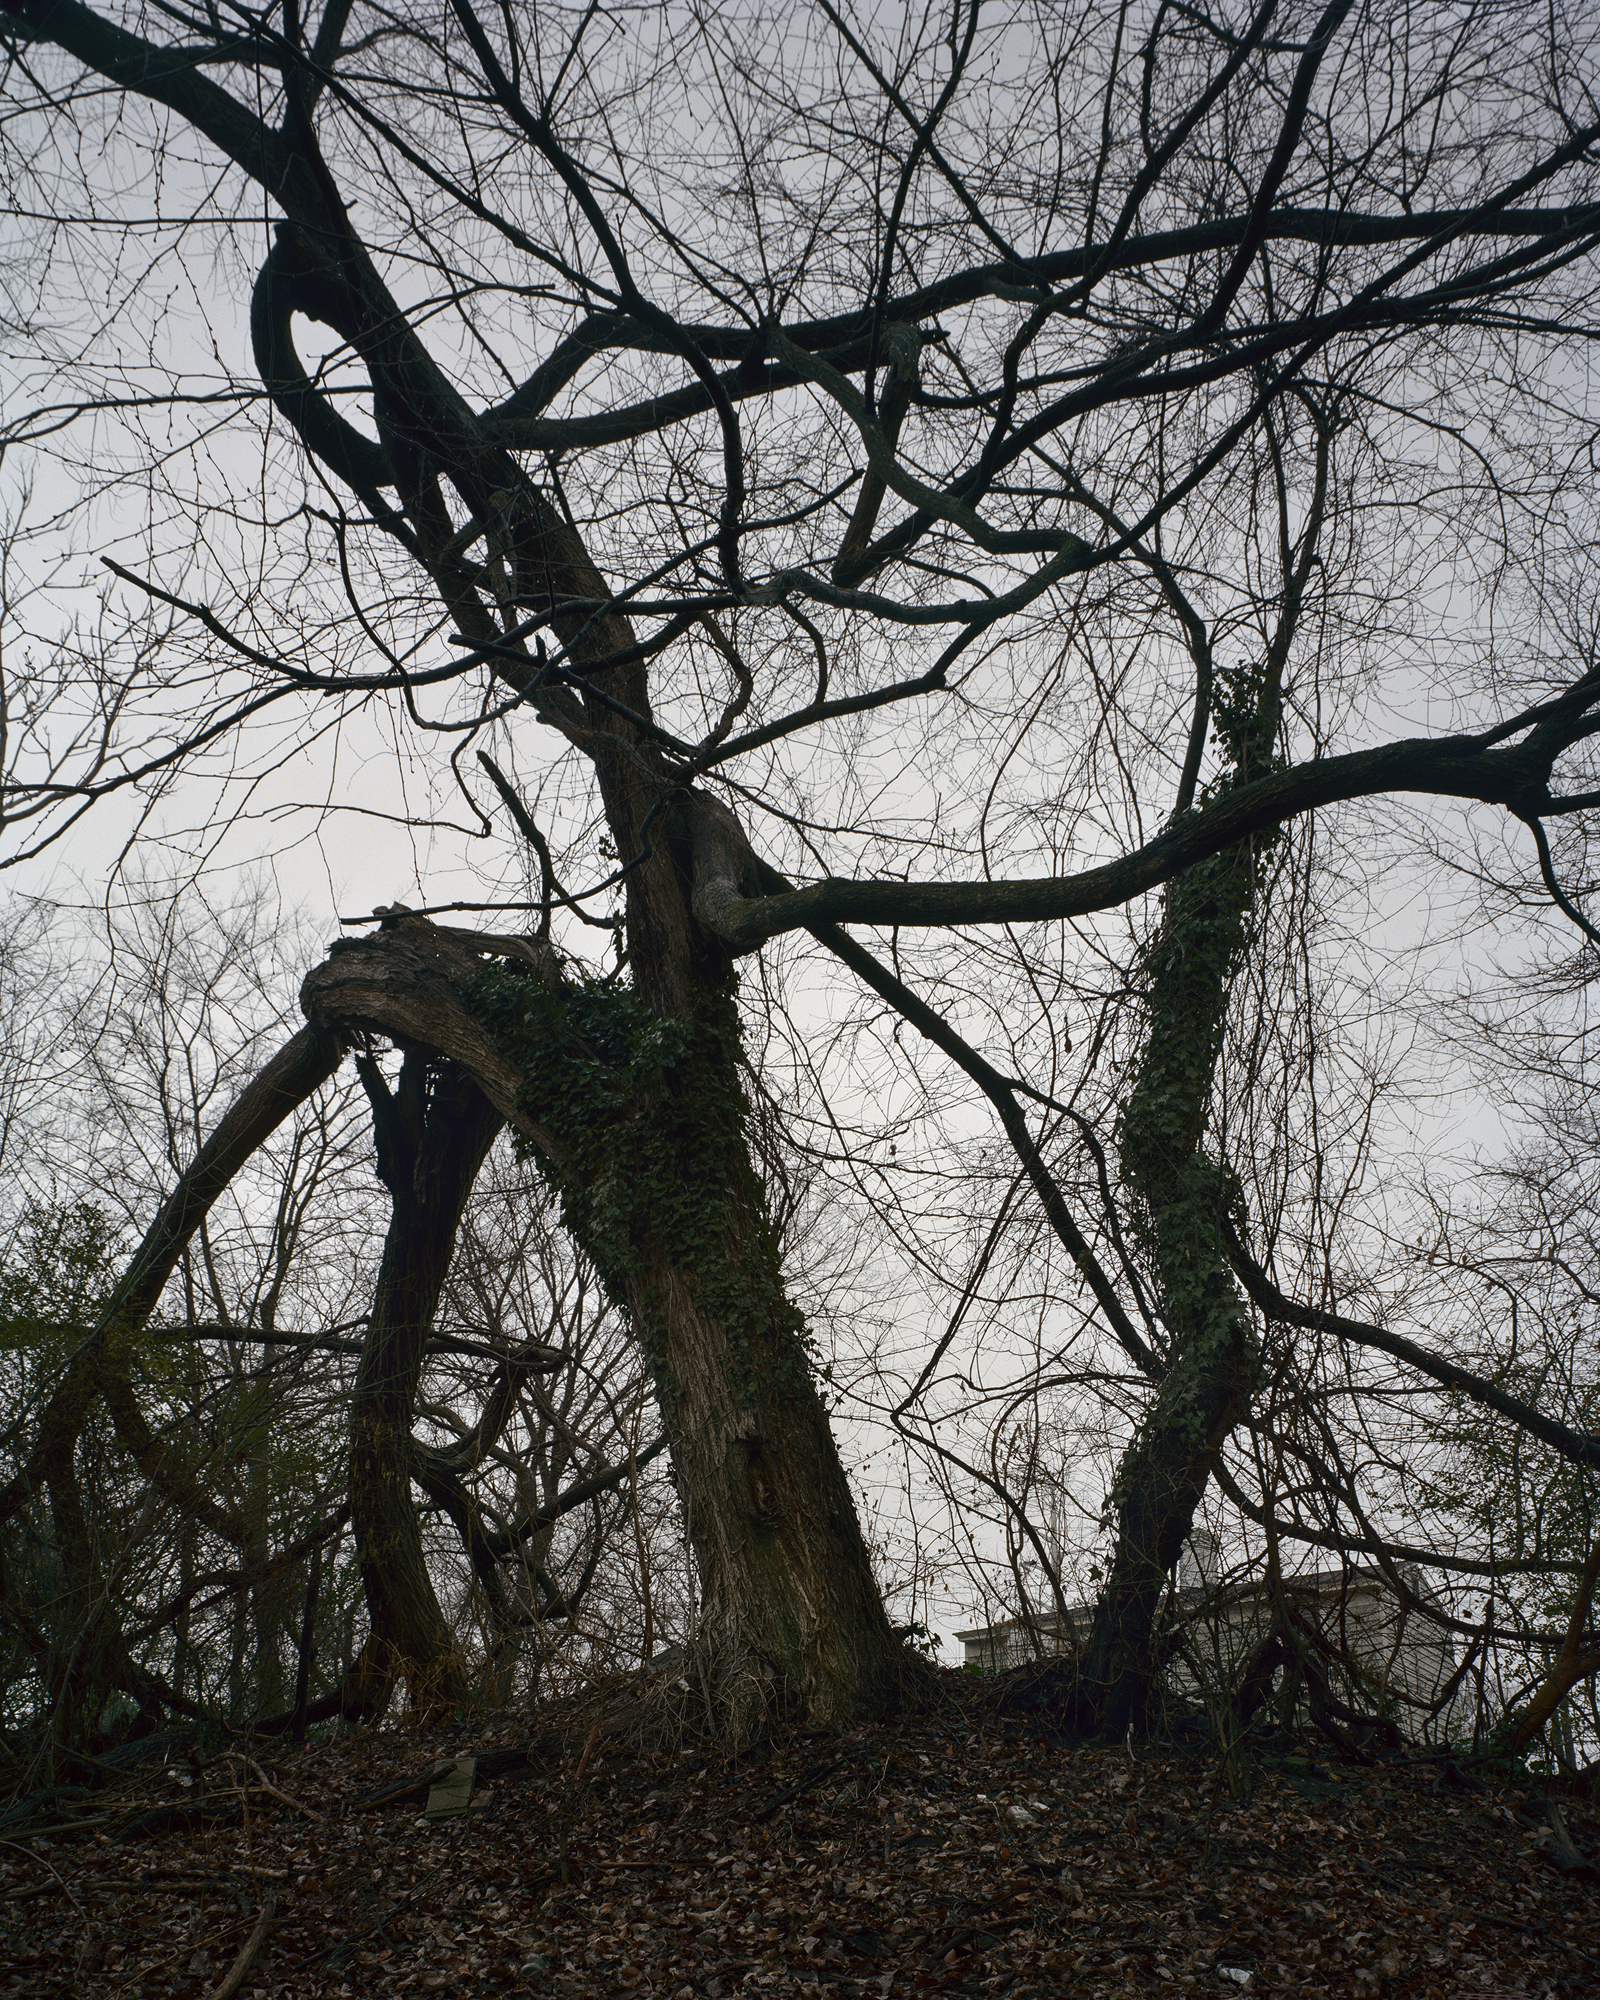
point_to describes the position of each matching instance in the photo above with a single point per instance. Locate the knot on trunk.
(726, 871)
(759, 1484)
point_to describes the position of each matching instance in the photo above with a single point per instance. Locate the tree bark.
(1180, 1199)
(792, 1614)
(1183, 1201)
(791, 1621)
(433, 1133)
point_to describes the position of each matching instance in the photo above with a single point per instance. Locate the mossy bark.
(658, 1186)
(791, 1619)
(1178, 1194)
(636, 1115)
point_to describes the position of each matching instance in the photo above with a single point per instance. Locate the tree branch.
(1448, 767)
(1579, 1447)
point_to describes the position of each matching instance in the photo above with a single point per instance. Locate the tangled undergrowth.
(951, 1852)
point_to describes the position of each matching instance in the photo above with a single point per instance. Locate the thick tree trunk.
(791, 1618)
(792, 1609)
(638, 1119)
(433, 1134)
(791, 1622)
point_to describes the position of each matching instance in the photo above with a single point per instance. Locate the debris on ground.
(953, 1852)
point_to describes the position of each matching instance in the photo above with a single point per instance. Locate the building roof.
(1303, 1583)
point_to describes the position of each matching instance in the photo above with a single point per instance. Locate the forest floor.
(951, 1852)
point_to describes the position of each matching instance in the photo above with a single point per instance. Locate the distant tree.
(60, 1269)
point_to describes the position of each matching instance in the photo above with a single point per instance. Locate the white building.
(1401, 1662)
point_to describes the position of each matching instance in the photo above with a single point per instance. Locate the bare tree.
(1097, 413)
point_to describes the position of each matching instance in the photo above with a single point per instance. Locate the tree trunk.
(792, 1611)
(433, 1134)
(82, 1635)
(1179, 1197)
(637, 1118)
(1570, 1666)
(791, 1621)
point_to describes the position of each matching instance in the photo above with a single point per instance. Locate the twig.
(397, 1793)
(588, 1752)
(1489, 1917)
(1478, 1916)
(283, 1798)
(252, 1944)
(816, 1777)
(491, 1764)
(189, 1878)
(331, 1955)
(56, 1872)
(121, 1884)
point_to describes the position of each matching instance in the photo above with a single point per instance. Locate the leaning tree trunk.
(1179, 1196)
(791, 1618)
(791, 1611)
(658, 1187)
(637, 1117)
(433, 1133)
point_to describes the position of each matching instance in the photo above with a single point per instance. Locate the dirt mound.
(949, 1853)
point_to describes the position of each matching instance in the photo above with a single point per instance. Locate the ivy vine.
(653, 1117)
(1178, 1192)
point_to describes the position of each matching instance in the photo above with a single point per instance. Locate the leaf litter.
(954, 1851)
